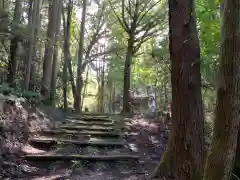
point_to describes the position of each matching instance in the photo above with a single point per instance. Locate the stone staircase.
(82, 138)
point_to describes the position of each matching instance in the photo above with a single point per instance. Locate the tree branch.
(111, 50)
(135, 18)
(94, 40)
(129, 9)
(146, 36)
(119, 19)
(123, 15)
(147, 11)
(147, 26)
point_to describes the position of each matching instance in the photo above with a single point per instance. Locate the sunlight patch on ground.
(31, 150)
(51, 177)
(133, 147)
(153, 140)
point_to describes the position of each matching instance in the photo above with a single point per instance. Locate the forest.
(171, 64)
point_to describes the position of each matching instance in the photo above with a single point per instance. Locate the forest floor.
(134, 154)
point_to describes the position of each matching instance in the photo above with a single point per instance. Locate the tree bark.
(127, 71)
(165, 95)
(66, 52)
(114, 98)
(71, 77)
(185, 153)
(222, 150)
(85, 88)
(55, 65)
(33, 13)
(110, 92)
(102, 90)
(79, 80)
(49, 47)
(236, 167)
(35, 56)
(12, 64)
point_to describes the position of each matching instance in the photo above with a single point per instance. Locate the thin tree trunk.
(165, 96)
(49, 47)
(99, 83)
(127, 71)
(55, 65)
(185, 154)
(155, 96)
(222, 150)
(102, 90)
(36, 52)
(2, 4)
(12, 64)
(114, 98)
(110, 88)
(66, 47)
(71, 77)
(79, 80)
(85, 88)
(33, 20)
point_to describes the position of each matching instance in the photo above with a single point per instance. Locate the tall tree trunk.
(165, 96)
(102, 90)
(66, 47)
(110, 90)
(155, 96)
(236, 167)
(85, 88)
(79, 79)
(71, 77)
(98, 67)
(55, 65)
(222, 150)
(36, 51)
(98, 84)
(12, 64)
(185, 153)
(49, 47)
(127, 71)
(114, 98)
(33, 20)
(2, 4)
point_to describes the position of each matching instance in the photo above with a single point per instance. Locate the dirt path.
(95, 148)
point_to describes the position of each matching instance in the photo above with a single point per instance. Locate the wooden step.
(89, 123)
(87, 133)
(80, 157)
(87, 128)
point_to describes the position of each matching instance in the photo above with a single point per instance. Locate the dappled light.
(119, 90)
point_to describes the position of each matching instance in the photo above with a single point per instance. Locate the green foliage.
(5, 89)
(208, 16)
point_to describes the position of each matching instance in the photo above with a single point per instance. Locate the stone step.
(89, 123)
(90, 118)
(59, 157)
(78, 137)
(87, 133)
(87, 128)
(53, 141)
